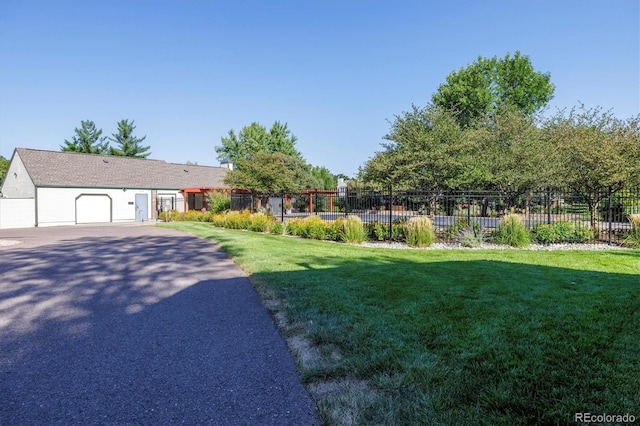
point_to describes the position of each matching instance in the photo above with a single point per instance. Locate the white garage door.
(92, 208)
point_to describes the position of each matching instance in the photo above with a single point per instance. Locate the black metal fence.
(605, 213)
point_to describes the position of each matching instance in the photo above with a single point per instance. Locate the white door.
(142, 207)
(93, 208)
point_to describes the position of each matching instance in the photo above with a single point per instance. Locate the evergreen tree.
(128, 145)
(4, 165)
(87, 139)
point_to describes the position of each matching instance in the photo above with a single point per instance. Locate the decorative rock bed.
(458, 246)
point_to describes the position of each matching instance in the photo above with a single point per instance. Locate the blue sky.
(336, 71)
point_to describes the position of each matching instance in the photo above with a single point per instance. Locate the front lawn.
(496, 337)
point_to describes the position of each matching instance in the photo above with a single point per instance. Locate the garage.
(93, 208)
(53, 188)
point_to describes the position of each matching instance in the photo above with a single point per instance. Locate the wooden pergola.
(186, 192)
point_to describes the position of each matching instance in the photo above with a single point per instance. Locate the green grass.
(495, 337)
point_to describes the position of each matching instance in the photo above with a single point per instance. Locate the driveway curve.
(132, 324)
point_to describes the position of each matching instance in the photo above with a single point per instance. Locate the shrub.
(512, 232)
(633, 237)
(335, 229)
(464, 233)
(296, 226)
(168, 215)
(219, 202)
(353, 230)
(472, 236)
(377, 230)
(310, 227)
(218, 219)
(260, 222)
(398, 229)
(453, 231)
(191, 216)
(237, 220)
(419, 232)
(279, 228)
(315, 228)
(561, 232)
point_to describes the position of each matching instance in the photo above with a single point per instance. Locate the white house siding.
(69, 206)
(17, 213)
(59, 206)
(17, 183)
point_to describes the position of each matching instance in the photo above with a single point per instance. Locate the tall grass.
(512, 232)
(353, 231)
(633, 237)
(419, 232)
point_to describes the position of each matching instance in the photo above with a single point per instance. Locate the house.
(50, 188)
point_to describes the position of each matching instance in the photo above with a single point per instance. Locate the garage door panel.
(92, 208)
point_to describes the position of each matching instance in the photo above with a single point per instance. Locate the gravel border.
(458, 246)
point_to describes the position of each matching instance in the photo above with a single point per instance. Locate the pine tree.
(88, 139)
(128, 145)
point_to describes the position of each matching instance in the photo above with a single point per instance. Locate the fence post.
(282, 207)
(610, 215)
(346, 200)
(468, 207)
(315, 208)
(548, 206)
(390, 211)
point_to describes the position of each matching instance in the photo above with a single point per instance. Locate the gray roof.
(71, 169)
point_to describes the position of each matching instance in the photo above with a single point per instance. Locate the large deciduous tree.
(87, 139)
(511, 153)
(483, 87)
(326, 179)
(263, 173)
(600, 153)
(255, 138)
(128, 145)
(427, 149)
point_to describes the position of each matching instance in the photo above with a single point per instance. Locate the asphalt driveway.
(137, 325)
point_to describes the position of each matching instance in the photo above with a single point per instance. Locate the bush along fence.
(468, 217)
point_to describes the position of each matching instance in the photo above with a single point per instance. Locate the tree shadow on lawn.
(101, 331)
(453, 342)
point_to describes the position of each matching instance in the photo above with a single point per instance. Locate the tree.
(263, 173)
(87, 139)
(323, 175)
(600, 153)
(513, 156)
(128, 145)
(302, 172)
(427, 150)
(4, 166)
(255, 138)
(483, 87)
